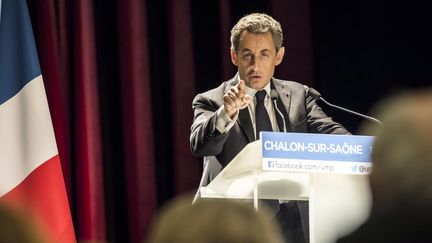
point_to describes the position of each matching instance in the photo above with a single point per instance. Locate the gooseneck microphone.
(274, 95)
(317, 96)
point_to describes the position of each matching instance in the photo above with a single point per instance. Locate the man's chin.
(257, 84)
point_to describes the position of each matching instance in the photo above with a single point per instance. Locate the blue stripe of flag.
(18, 56)
(0, 9)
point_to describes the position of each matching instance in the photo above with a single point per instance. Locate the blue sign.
(322, 153)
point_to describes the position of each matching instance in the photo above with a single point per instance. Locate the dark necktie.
(262, 119)
(262, 123)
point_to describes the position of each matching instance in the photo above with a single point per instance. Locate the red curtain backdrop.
(120, 77)
(87, 147)
(138, 132)
(296, 18)
(182, 83)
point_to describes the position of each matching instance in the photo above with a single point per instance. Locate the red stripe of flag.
(43, 196)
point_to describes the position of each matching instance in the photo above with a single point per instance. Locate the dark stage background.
(120, 77)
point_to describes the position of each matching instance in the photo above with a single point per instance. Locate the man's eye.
(247, 55)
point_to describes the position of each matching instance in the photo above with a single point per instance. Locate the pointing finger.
(241, 85)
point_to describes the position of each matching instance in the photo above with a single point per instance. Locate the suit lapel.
(283, 104)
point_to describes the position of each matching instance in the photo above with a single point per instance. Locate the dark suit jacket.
(301, 113)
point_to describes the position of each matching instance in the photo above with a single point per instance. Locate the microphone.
(317, 96)
(274, 95)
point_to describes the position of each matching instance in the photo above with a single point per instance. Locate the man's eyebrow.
(245, 50)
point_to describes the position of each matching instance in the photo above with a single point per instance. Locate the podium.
(330, 171)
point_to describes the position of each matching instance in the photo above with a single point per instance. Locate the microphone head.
(274, 94)
(315, 94)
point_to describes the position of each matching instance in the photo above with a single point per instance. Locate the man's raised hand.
(236, 98)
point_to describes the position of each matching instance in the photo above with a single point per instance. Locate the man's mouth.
(254, 77)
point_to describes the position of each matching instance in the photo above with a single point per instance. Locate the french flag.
(31, 179)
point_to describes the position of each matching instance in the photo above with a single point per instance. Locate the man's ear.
(280, 55)
(234, 59)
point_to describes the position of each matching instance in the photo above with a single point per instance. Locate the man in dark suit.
(230, 116)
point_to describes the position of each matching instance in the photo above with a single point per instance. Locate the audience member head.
(15, 227)
(402, 154)
(212, 221)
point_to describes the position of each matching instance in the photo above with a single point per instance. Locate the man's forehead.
(246, 34)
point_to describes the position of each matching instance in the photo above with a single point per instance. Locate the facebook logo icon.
(270, 164)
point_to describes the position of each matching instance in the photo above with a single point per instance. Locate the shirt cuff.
(223, 121)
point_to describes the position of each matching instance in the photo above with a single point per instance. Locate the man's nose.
(255, 63)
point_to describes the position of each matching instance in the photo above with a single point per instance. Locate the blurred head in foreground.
(213, 221)
(15, 227)
(402, 155)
